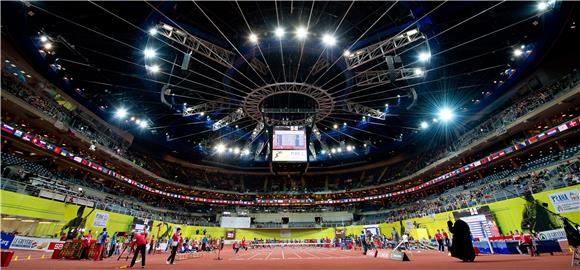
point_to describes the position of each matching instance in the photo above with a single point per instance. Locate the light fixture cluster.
(444, 115)
(301, 33)
(222, 148)
(123, 114)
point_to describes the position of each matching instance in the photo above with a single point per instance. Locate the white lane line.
(282, 253)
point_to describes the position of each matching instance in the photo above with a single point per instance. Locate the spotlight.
(48, 46)
(279, 32)
(220, 148)
(301, 32)
(335, 126)
(153, 68)
(153, 31)
(347, 53)
(445, 115)
(246, 152)
(323, 152)
(349, 148)
(333, 150)
(143, 124)
(201, 113)
(518, 52)
(328, 40)
(43, 39)
(253, 38)
(419, 72)
(344, 124)
(387, 105)
(149, 53)
(121, 113)
(424, 125)
(236, 150)
(339, 150)
(424, 56)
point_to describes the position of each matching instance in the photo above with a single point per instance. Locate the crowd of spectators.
(502, 185)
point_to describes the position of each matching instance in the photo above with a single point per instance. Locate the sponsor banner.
(6, 240)
(101, 220)
(31, 243)
(566, 201)
(553, 234)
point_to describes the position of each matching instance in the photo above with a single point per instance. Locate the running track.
(302, 259)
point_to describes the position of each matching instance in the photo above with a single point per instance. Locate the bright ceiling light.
(424, 125)
(43, 39)
(445, 115)
(246, 152)
(279, 32)
(153, 31)
(48, 45)
(323, 151)
(143, 124)
(424, 56)
(236, 150)
(153, 68)
(253, 38)
(121, 113)
(220, 148)
(347, 53)
(149, 53)
(301, 32)
(335, 126)
(419, 72)
(349, 148)
(542, 6)
(328, 40)
(518, 52)
(333, 150)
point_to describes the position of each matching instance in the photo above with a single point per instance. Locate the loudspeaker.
(399, 256)
(185, 62)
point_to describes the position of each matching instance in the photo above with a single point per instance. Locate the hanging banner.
(100, 220)
(566, 201)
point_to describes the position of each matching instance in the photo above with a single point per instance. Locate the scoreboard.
(289, 144)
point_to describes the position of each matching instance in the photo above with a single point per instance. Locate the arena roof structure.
(207, 81)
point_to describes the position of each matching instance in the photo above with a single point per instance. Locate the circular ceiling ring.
(254, 99)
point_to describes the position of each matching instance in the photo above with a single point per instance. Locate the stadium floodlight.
(333, 150)
(43, 39)
(347, 53)
(149, 53)
(301, 32)
(518, 52)
(424, 56)
(236, 150)
(328, 40)
(246, 152)
(424, 125)
(220, 148)
(153, 31)
(323, 152)
(253, 38)
(143, 124)
(47, 45)
(153, 68)
(279, 32)
(344, 124)
(445, 115)
(349, 148)
(201, 113)
(335, 126)
(418, 72)
(339, 150)
(121, 113)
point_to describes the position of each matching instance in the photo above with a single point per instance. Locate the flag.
(552, 132)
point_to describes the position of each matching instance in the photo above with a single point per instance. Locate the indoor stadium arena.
(313, 135)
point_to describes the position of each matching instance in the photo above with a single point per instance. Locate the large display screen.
(289, 144)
